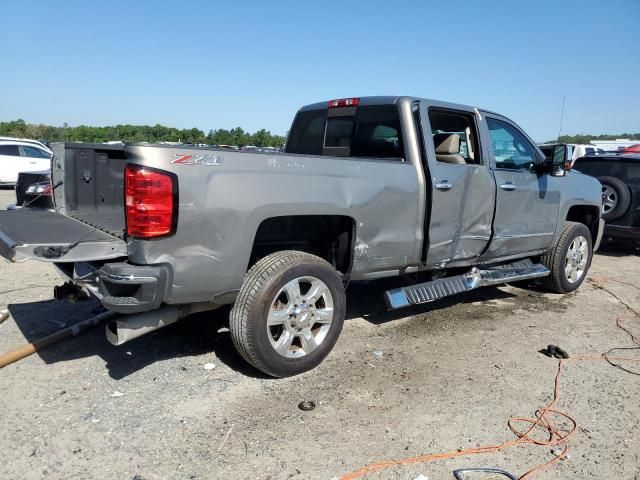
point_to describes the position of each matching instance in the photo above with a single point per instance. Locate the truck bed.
(90, 179)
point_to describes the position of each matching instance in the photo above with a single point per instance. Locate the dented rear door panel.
(461, 216)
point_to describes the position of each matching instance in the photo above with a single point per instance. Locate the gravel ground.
(433, 379)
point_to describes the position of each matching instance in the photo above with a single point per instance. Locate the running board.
(445, 287)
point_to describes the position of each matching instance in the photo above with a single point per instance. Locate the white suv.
(21, 155)
(574, 150)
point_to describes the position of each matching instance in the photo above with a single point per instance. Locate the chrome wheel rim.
(300, 317)
(609, 199)
(576, 260)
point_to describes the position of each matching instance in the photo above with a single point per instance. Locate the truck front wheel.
(288, 313)
(570, 259)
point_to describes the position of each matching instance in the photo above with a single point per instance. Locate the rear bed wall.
(92, 177)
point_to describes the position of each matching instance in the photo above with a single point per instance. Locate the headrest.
(447, 143)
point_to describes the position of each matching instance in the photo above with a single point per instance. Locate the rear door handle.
(508, 186)
(444, 185)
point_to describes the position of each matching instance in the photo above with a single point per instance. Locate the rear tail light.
(344, 102)
(150, 202)
(40, 188)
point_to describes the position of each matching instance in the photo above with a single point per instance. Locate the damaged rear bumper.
(120, 286)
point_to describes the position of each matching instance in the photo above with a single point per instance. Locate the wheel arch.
(331, 237)
(588, 215)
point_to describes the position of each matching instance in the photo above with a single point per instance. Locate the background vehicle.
(620, 179)
(19, 155)
(575, 150)
(368, 188)
(33, 190)
(632, 149)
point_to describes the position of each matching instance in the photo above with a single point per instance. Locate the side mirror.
(560, 161)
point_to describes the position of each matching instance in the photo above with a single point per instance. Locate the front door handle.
(444, 185)
(508, 186)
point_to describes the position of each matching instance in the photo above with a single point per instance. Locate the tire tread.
(253, 283)
(554, 258)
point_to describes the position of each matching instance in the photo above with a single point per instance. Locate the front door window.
(511, 149)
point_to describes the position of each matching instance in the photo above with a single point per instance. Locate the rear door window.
(10, 150)
(367, 131)
(33, 152)
(455, 137)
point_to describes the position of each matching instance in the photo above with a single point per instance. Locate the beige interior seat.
(448, 148)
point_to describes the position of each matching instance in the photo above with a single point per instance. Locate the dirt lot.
(449, 377)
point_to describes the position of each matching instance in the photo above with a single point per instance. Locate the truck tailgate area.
(50, 236)
(89, 182)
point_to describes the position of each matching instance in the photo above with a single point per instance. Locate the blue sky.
(253, 64)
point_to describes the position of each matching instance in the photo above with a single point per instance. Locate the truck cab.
(485, 192)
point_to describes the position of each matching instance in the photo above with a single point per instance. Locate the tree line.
(139, 133)
(585, 139)
(160, 133)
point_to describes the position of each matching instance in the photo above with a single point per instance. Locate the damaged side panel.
(463, 194)
(218, 220)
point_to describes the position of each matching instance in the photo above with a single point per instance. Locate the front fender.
(579, 190)
(598, 241)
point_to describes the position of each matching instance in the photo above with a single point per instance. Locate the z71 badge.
(207, 160)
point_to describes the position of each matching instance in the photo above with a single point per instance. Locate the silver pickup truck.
(368, 188)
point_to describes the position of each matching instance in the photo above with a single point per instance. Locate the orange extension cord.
(541, 421)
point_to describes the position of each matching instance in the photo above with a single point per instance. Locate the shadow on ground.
(366, 300)
(619, 248)
(197, 334)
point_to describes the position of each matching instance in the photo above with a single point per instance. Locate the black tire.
(556, 259)
(259, 292)
(622, 198)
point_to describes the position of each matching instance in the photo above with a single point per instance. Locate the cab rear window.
(374, 131)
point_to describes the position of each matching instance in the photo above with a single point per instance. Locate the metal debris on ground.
(306, 406)
(116, 394)
(554, 351)
(209, 366)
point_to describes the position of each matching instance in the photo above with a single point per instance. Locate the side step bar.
(444, 287)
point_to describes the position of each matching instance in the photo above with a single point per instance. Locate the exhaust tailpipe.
(128, 327)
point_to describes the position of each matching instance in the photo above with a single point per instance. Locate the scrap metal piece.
(461, 471)
(306, 406)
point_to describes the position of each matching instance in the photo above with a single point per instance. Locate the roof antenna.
(564, 97)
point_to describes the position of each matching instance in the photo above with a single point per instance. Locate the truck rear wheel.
(288, 314)
(570, 259)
